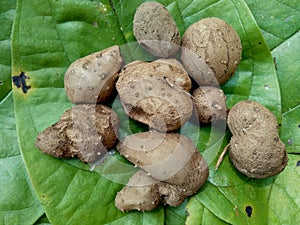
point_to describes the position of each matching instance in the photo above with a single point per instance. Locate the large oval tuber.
(255, 148)
(211, 51)
(155, 94)
(155, 29)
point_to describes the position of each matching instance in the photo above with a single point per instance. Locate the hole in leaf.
(290, 141)
(248, 210)
(20, 82)
(299, 126)
(1, 82)
(298, 163)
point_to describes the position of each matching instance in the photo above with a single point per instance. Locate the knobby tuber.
(156, 93)
(209, 104)
(140, 193)
(85, 131)
(91, 79)
(155, 29)
(171, 159)
(211, 51)
(255, 147)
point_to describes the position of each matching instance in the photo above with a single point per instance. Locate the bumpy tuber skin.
(210, 104)
(91, 79)
(155, 29)
(169, 69)
(155, 94)
(141, 193)
(255, 148)
(211, 51)
(86, 131)
(169, 158)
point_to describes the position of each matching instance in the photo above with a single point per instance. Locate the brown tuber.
(171, 159)
(209, 104)
(140, 193)
(91, 79)
(155, 29)
(255, 148)
(156, 93)
(85, 131)
(211, 51)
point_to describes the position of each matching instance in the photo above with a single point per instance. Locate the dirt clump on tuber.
(171, 159)
(255, 147)
(211, 51)
(85, 131)
(210, 105)
(156, 93)
(91, 79)
(155, 29)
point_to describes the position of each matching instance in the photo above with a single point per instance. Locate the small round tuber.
(209, 104)
(155, 29)
(141, 193)
(211, 48)
(255, 148)
(91, 79)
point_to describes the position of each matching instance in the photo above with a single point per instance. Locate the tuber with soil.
(156, 93)
(85, 131)
(211, 51)
(176, 168)
(255, 148)
(91, 79)
(155, 29)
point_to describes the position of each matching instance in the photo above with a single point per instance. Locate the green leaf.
(43, 220)
(287, 60)
(18, 202)
(7, 13)
(284, 198)
(176, 215)
(49, 35)
(277, 19)
(201, 215)
(290, 130)
(288, 66)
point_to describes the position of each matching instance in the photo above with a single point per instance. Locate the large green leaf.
(48, 35)
(18, 202)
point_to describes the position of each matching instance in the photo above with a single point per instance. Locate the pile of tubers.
(160, 94)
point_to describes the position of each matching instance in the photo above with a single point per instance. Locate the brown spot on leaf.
(248, 210)
(20, 82)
